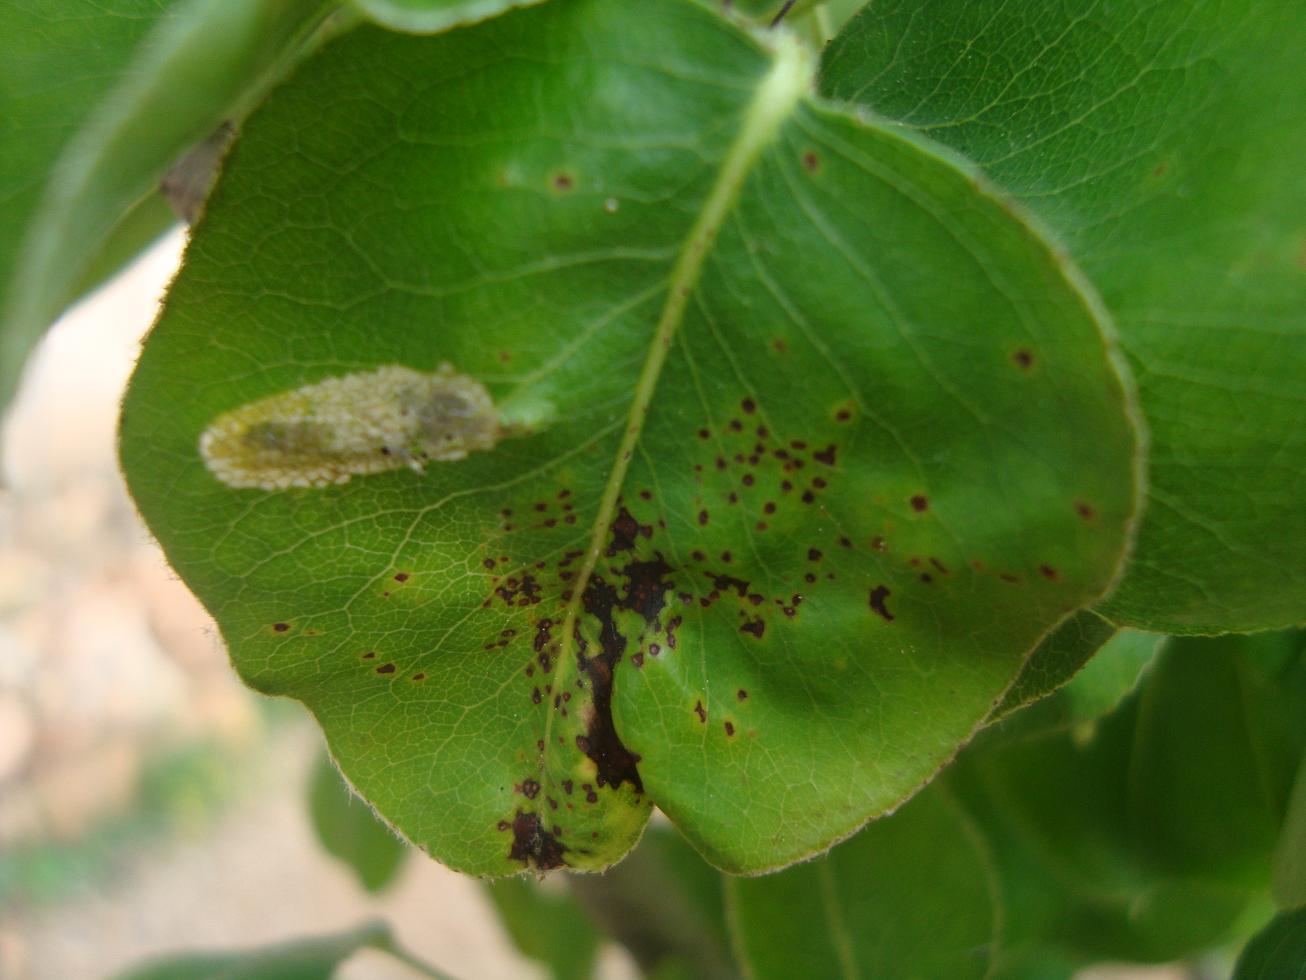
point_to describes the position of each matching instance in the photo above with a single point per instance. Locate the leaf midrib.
(777, 95)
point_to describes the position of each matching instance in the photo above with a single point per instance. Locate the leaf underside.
(888, 448)
(1160, 140)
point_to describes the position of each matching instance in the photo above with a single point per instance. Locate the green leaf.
(767, 524)
(547, 926)
(1290, 855)
(1087, 665)
(348, 829)
(433, 16)
(912, 895)
(1074, 891)
(310, 959)
(1277, 952)
(1221, 728)
(1160, 142)
(190, 73)
(54, 60)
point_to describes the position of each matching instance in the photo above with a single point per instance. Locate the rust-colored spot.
(1085, 510)
(843, 415)
(401, 576)
(877, 599)
(1024, 359)
(530, 788)
(564, 181)
(920, 503)
(811, 162)
(281, 627)
(878, 544)
(1049, 573)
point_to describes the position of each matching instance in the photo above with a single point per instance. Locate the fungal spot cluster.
(744, 482)
(356, 424)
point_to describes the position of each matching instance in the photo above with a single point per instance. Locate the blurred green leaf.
(790, 603)
(144, 93)
(1277, 952)
(1103, 667)
(547, 925)
(911, 896)
(348, 829)
(1160, 142)
(1290, 855)
(309, 959)
(1220, 730)
(433, 16)
(666, 905)
(55, 59)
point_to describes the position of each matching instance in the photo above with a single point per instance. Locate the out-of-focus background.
(148, 801)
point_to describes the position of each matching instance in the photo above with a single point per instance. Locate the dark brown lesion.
(534, 845)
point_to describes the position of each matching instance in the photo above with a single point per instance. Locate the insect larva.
(365, 422)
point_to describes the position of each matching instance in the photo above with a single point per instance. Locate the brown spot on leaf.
(811, 162)
(386, 669)
(700, 711)
(755, 626)
(877, 600)
(280, 627)
(825, 455)
(1024, 359)
(533, 845)
(920, 503)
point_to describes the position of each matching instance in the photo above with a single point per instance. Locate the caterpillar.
(366, 422)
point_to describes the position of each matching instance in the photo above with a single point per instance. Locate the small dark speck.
(401, 576)
(1024, 359)
(646, 495)
(748, 480)
(843, 415)
(920, 503)
(748, 405)
(419, 677)
(826, 455)
(811, 162)
(703, 434)
(730, 729)
(370, 655)
(846, 542)
(813, 554)
(741, 694)
(700, 711)
(1049, 573)
(281, 627)
(768, 507)
(808, 497)
(877, 543)
(1085, 511)
(564, 182)
(386, 669)
(726, 557)
(702, 518)
(698, 556)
